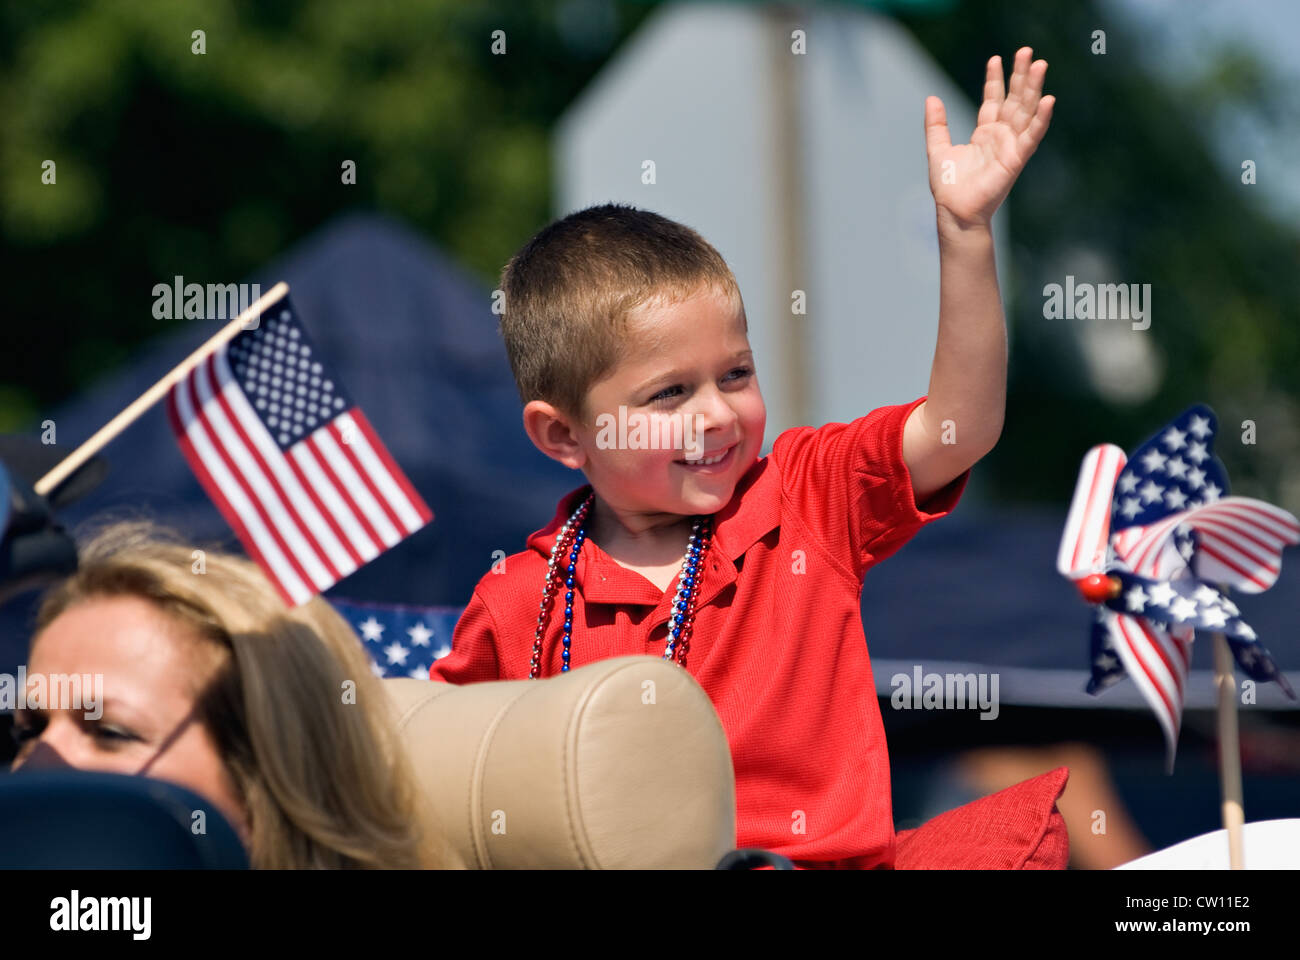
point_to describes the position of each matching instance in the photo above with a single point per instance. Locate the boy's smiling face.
(688, 375)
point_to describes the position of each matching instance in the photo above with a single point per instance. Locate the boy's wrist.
(953, 230)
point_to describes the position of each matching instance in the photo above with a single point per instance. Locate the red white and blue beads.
(569, 541)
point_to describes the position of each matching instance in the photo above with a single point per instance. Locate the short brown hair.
(570, 289)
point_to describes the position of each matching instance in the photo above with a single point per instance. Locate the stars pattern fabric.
(401, 640)
(1175, 470)
(1173, 490)
(1162, 525)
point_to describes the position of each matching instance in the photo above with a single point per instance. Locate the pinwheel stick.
(69, 464)
(1229, 751)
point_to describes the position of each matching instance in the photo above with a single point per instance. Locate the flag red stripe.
(1246, 574)
(218, 498)
(1160, 651)
(1156, 685)
(1275, 516)
(1142, 545)
(1088, 506)
(1153, 537)
(391, 466)
(1247, 516)
(1228, 529)
(1240, 517)
(364, 474)
(235, 472)
(286, 501)
(1227, 535)
(325, 512)
(329, 482)
(328, 469)
(1158, 558)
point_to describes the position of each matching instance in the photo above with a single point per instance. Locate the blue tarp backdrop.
(415, 340)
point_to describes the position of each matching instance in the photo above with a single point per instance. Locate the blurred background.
(1170, 162)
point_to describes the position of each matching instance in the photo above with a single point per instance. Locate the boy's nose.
(715, 414)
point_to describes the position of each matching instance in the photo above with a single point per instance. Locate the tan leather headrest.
(621, 763)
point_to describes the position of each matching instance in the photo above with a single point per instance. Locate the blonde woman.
(211, 682)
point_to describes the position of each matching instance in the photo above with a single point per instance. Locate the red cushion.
(1018, 828)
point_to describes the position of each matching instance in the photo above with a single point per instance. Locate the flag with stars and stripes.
(402, 641)
(1171, 513)
(290, 460)
(1162, 528)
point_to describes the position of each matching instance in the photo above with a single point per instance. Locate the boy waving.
(747, 571)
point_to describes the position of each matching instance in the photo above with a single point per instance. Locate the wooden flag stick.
(1229, 751)
(108, 431)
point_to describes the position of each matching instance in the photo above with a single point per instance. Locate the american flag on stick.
(289, 459)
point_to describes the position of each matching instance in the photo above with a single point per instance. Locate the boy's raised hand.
(970, 181)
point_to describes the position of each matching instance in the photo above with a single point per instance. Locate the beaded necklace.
(570, 540)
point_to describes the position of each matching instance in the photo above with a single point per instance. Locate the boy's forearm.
(962, 417)
(968, 380)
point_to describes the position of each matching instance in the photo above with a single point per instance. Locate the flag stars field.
(400, 639)
(1154, 460)
(1161, 594)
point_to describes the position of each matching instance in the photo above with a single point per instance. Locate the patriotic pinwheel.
(1152, 541)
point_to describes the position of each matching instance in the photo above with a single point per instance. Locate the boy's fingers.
(1034, 83)
(1019, 71)
(936, 125)
(995, 88)
(1022, 111)
(1030, 139)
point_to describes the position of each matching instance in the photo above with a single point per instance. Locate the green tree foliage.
(1126, 171)
(171, 162)
(209, 165)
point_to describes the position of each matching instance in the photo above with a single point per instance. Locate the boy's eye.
(669, 393)
(666, 394)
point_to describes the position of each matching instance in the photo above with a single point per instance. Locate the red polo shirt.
(778, 642)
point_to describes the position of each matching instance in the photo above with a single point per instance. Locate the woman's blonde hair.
(302, 725)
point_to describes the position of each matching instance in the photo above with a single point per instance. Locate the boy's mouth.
(712, 461)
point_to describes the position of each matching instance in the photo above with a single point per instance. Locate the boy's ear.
(552, 433)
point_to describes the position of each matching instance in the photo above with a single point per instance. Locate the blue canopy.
(414, 339)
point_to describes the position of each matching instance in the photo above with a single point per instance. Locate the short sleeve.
(850, 486)
(473, 656)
